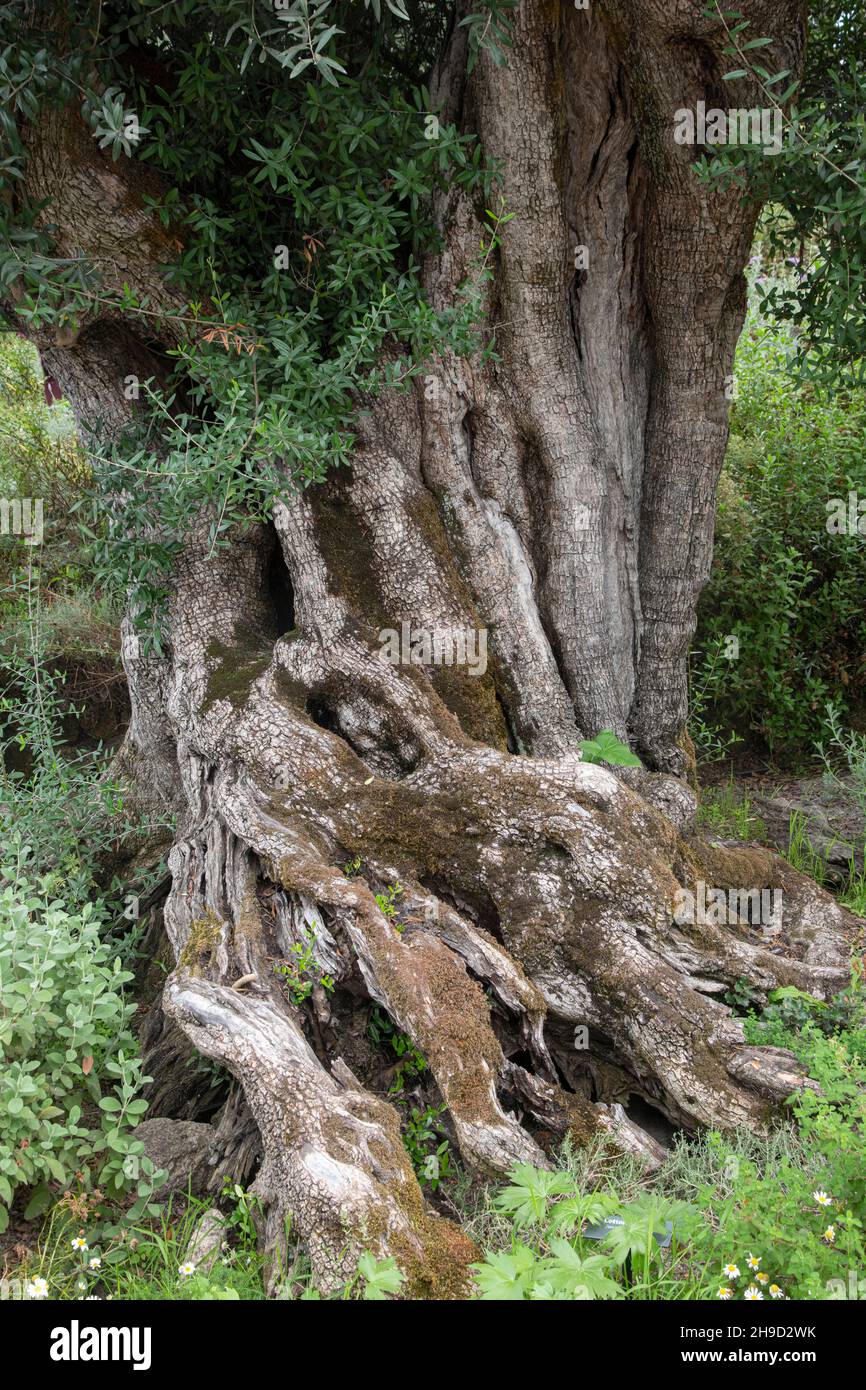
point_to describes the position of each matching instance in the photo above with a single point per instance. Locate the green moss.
(205, 934)
(460, 1046)
(236, 669)
(583, 1126)
(345, 547)
(443, 1273)
(472, 700)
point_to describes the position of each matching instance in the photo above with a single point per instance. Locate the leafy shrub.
(569, 1245)
(39, 451)
(789, 591)
(40, 458)
(787, 1226)
(70, 1080)
(789, 1010)
(49, 586)
(55, 799)
(806, 1216)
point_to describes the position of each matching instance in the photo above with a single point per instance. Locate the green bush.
(804, 1216)
(789, 1226)
(70, 1078)
(571, 1245)
(754, 1219)
(787, 589)
(802, 1220)
(40, 458)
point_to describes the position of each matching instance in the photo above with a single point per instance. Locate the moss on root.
(234, 671)
(205, 934)
(462, 1049)
(434, 1253)
(472, 700)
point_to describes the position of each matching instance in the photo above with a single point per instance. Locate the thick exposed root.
(538, 901)
(335, 1170)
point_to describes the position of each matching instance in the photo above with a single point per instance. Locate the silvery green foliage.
(69, 1074)
(298, 168)
(814, 186)
(114, 124)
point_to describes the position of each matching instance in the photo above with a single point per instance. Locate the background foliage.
(788, 589)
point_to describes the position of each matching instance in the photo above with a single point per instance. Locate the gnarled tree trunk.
(560, 497)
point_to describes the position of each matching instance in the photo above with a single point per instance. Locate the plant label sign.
(600, 1231)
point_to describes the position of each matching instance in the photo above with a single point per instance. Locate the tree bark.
(560, 497)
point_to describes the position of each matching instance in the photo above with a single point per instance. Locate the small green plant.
(387, 902)
(385, 1033)
(741, 997)
(607, 748)
(853, 895)
(426, 1145)
(801, 853)
(727, 812)
(567, 1244)
(244, 1211)
(300, 972)
(379, 1278)
(848, 748)
(373, 1281)
(70, 1085)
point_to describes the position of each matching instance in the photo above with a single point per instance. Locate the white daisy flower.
(79, 1243)
(753, 1295)
(187, 1269)
(775, 1291)
(725, 1293)
(38, 1287)
(754, 1261)
(731, 1272)
(830, 1233)
(822, 1198)
(94, 1262)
